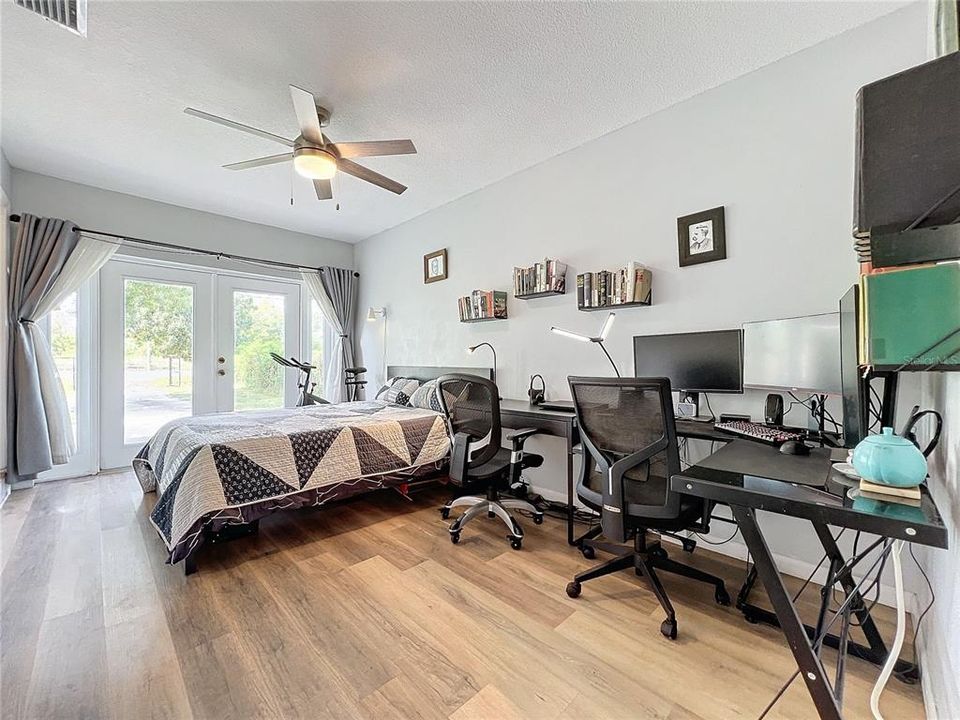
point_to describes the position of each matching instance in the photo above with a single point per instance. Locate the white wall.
(5, 192)
(939, 640)
(5, 174)
(775, 147)
(98, 209)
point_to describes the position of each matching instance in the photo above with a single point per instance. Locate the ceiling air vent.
(71, 14)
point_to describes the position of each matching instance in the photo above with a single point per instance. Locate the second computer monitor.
(694, 362)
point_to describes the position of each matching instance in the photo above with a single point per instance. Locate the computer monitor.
(800, 354)
(694, 362)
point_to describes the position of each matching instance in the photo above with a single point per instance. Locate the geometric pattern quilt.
(205, 464)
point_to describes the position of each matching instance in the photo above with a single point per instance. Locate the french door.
(178, 342)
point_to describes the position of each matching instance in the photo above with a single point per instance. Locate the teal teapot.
(890, 459)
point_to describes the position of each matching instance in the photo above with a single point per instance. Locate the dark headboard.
(424, 373)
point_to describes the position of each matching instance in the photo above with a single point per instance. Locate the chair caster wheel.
(668, 628)
(588, 552)
(515, 543)
(455, 537)
(444, 512)
(721, 596)
(573, 589)
(538, 519)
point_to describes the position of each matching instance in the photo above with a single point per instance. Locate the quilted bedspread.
(212, 466)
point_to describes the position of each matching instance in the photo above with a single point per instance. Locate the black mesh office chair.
(630, 452)
(477, 460)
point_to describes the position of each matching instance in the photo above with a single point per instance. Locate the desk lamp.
(473, 348)
(598, 339)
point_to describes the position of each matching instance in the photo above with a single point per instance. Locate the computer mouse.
(794, 447)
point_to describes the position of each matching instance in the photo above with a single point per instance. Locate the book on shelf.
(482, 305)
(605, 288)
(546, 276)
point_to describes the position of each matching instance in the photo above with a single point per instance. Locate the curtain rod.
(213, 253)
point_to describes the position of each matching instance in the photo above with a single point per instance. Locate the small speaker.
(773, 409)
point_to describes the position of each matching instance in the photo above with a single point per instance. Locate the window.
(318, 328)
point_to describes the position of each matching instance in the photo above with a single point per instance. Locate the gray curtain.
(39, 254)
(335, 290)
(947, 26)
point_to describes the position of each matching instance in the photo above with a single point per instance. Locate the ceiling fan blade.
(306, 108)
(259, 162)
(359, 171)
(237, 126)
(324, 189)
(375, 148)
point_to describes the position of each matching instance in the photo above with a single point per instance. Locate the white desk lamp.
(597, 339)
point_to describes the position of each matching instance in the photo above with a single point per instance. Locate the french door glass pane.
(316, 341)
(63, 343)
(157, 356)
(258, 320)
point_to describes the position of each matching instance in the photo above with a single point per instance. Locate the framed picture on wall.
(702, 237)
(435, 266)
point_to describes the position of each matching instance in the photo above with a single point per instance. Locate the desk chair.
(630, 453)
(478, 462)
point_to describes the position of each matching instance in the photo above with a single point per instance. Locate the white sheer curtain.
(333, 390)
(88, 257)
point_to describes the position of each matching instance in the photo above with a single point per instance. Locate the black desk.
(722, 478)
(518, 414)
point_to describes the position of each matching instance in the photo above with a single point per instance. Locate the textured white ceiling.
(483, 89)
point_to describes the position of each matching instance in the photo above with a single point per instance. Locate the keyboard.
(758, 432)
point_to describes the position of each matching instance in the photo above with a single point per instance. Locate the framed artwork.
(701, 237)
(435, 266)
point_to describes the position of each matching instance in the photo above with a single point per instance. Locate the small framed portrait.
(702, 237)
(435, 266)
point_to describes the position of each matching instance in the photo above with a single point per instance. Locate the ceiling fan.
(314, 155)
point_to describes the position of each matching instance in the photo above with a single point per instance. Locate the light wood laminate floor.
(364, 610)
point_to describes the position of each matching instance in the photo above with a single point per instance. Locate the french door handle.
(221, 359)
(221, 371)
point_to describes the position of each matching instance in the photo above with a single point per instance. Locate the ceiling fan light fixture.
(314, 163)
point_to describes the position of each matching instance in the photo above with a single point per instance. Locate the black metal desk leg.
(811, 669)
(857, 605)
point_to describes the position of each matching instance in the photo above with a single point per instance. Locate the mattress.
(211, 470)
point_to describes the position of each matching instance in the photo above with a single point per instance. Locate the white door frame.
(114, 452)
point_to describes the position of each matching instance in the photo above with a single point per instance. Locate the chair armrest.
(517, 437)
(460, 457)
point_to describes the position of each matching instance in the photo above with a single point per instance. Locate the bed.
(223, 470)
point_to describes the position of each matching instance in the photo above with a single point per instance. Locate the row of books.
(629, 284)
(549, 275)
(481, 304)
